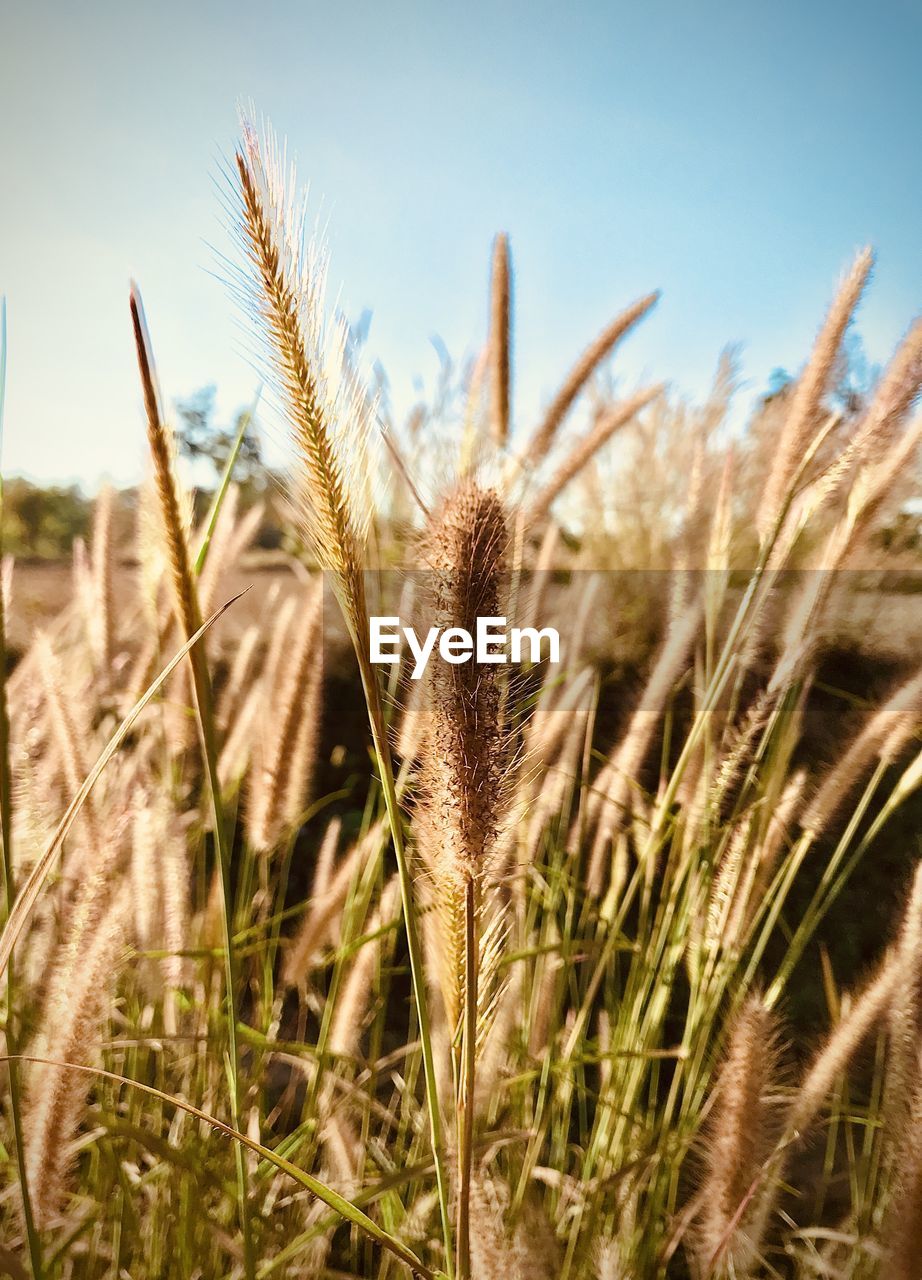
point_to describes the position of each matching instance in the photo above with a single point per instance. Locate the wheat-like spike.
(149, 550)
(221, 548)
(84, 593)
(725, 885)
(531, 605)
(761, 866)
(145, 880)
(66, 735)
(234, 759)
(354, 997)
(543, 996)
(905, 1017)
(731, 1223)
(875, 436)
(490, 1251)
(866, 1011)
(461, 777)
(584, 450)
(340, 1138)
(883, 737)
(327, 415)
(411, 728)
(498, 1034)
(327, 904)
(607, 1263)
(560, 781)
(102, 565)
(462, 770)
(323, 864)
(70, 1028)
(576, 379)
(500, 340)
(175, 877)
(612, 795)
(286, 722)
(902, 1229)
(230, 540)
(279, 643)
(863, 1013)
(737, 754)
(160, 443)
(720, 534)
(304, 754)
(235, 686)
(806, 403)
(463, 754)
(527, 1250)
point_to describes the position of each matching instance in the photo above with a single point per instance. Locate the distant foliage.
(43, 523)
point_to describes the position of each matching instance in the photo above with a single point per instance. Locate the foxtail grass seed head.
(328, 415)
(500, 340)
(174, 522)
(463, 767)
(739, 1140)
(607, 424)
(803, 415)
(579, 375)
(70, 1032)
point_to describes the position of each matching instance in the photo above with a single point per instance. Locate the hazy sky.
(733, 153)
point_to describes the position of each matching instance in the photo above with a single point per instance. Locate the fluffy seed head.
(463, 765)
(327, 414)
(730, 1226)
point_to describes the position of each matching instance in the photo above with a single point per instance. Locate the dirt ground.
(873, 618)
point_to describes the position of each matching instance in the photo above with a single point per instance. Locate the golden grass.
(607, 872)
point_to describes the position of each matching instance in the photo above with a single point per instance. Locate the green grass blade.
(332, 1198)
(217, 502)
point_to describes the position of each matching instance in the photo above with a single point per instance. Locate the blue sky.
(733, 154)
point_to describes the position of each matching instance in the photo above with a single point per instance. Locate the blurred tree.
(42, 523)
(202, 440)
(206, 443)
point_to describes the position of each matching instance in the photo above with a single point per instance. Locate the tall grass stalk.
(328, 417)
(9, 881)
(189, 620)
(317, 1188)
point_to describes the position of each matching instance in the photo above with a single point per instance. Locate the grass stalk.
(217, 502)
(467, 1079)
(382, 752)
(9, 882)
(189, 620)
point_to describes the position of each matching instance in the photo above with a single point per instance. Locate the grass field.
(601, 969)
